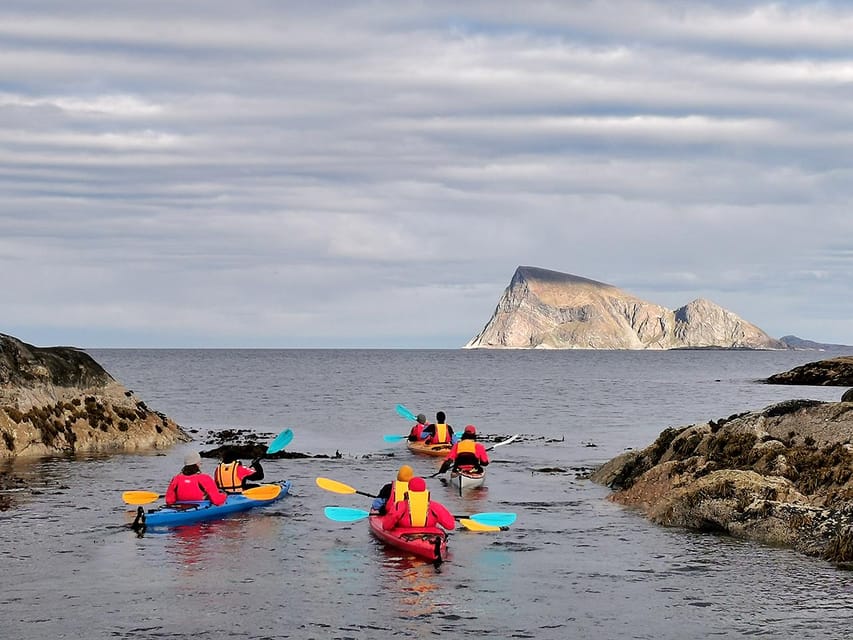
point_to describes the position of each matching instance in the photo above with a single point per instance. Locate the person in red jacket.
(440, 432)
(417, 432)
(417, 510)
(191, 485)
(467, 453)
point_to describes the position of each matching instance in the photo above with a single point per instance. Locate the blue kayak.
(189, 512)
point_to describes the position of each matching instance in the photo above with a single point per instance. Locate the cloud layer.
(267, 174)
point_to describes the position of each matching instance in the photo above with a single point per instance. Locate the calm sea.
(573, 566)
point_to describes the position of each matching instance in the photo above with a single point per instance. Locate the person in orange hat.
(467, 453)
(416, 510)
(393, 492)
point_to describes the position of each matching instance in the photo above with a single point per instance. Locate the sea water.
(574, 565)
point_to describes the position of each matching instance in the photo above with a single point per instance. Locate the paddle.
(503, 442)
(473, 525)
(494, 519)
(280, 442)
(263, 492)
(339, 487)
(405, 413)
(497, 444)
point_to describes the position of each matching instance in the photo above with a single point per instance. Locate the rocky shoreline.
(780, 476)
(59, 401)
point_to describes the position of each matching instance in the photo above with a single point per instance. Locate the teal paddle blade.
(280, 442)
(495, 519)
(405, 413)
(393, 438)
(345, 514)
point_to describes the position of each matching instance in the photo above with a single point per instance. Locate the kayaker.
(191, 485)
(232, 477)
(417, 510)
(439, 432)
(393, 492)
(418, 430)
(467, 453)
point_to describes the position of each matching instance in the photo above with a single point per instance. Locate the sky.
(273, 174)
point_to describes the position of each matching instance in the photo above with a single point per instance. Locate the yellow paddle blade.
(472, 525)
(264, 492)
(334, 486)
(139, 497)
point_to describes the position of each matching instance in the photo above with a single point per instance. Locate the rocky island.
(58, 400)
(543, 309)
(781, 476)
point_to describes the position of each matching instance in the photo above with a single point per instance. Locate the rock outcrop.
(781, 476)
(58, 400)
(832, 372)
(542, 309)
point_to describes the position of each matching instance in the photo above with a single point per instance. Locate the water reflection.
(410, 583)
(192, 546)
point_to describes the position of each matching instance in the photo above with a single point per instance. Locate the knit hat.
(421, 418)
(191, 459)
(470, 429)
(405, 473)
(417, 484)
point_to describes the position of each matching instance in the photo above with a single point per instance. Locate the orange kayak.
(429, 449)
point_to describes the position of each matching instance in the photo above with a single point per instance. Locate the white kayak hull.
(462, 479)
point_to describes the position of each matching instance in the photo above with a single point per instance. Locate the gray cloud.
(354, 174)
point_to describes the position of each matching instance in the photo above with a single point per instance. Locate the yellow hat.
(405, 473)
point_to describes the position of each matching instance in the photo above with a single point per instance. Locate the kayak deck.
(428, 543)
(420, 447)
(190, 512)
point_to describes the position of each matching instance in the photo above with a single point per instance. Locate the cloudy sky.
(370, 174)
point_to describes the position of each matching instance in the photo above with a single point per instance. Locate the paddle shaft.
(500, 444)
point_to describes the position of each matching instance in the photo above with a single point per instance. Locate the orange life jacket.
(227, 478)
(466, 446)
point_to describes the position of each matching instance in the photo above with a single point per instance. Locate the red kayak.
(429, 543)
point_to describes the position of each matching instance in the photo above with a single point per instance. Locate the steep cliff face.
(542, 309)
(59, 400)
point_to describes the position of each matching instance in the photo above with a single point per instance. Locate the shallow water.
(573, 565)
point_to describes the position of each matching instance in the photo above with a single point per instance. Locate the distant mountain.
(793, 342)
(543, 309)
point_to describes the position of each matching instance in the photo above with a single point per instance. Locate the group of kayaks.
(429, 543)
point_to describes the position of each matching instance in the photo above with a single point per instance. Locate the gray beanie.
(192, 458)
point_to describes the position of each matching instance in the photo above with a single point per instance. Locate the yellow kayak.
(420, 447)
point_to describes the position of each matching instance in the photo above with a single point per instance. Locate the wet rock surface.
(782, 476)
(59, 401)
(246, 444)
(836, 372)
